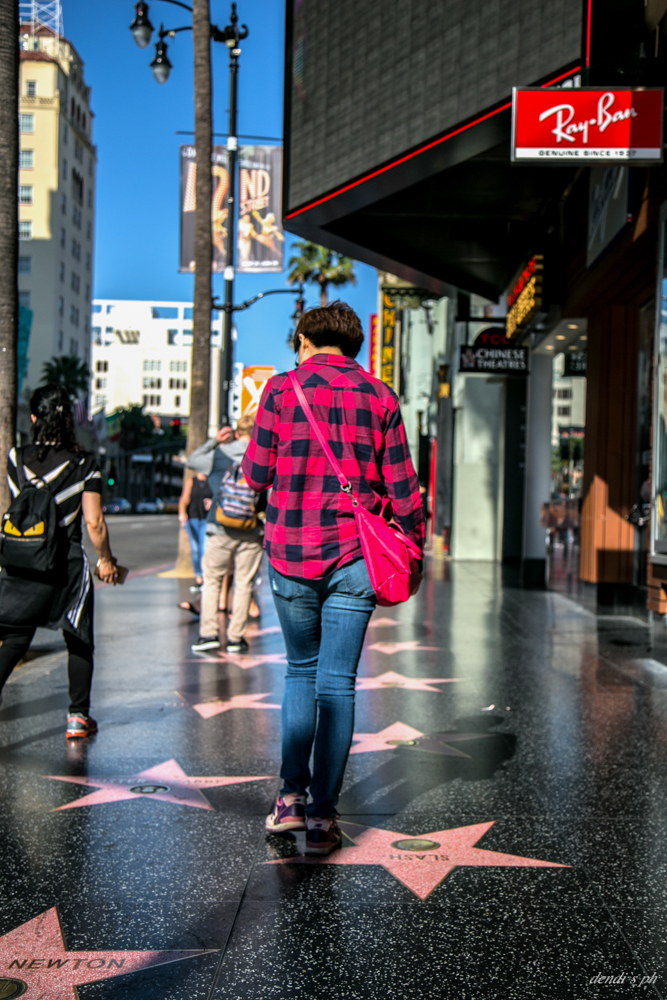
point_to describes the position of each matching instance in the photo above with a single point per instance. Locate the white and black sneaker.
(237, 646)
(205, 642)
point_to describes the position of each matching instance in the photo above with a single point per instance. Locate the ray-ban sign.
(587, 124)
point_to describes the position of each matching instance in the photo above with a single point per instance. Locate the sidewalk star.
(166, 782)
(421, 863)
(391, 679)
(401, 647)
(383, 622)
(400, 735)
(207, 709)
(35, 961)
(242, 660)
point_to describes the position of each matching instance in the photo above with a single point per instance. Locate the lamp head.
(161, 66)
(141, 27)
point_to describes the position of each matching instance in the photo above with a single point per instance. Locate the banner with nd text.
(260, 237)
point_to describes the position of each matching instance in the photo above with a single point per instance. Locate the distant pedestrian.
(229, 549)
(193, 508)
(62, 597)
(321, 586)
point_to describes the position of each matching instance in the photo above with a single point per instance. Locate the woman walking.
(319, 579)
(193, 508)
(61, 598)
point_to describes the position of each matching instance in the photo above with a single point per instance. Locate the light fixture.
(572, 347)
(161, 66)
(141, 27)
(584, 336)
(549, 347)
(573, 326)
(231, 35)
(560, 336)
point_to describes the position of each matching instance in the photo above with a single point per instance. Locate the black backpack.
(29, 530)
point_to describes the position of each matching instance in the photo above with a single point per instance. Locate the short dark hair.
(335, 325)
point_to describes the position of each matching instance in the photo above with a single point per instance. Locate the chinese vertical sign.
(389, 356)
(374, 345)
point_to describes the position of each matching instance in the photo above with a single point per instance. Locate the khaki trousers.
(222, 555)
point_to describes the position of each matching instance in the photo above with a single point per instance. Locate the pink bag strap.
(317, 431)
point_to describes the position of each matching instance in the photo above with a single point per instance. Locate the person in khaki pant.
(227, 550)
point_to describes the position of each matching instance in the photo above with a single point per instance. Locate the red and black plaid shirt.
(310, 527)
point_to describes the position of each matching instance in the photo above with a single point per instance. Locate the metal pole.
(232, 154)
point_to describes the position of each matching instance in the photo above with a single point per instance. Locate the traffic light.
(111, 481)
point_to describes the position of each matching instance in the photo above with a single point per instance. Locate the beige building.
(141, 355)
(56, 198)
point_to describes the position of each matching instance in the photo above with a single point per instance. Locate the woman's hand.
(183, 518)
(106, 570)
(208, 502)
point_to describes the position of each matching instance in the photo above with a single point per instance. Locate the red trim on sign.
(588, 35)
(417, 152)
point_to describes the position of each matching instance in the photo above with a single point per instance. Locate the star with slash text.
(421, 863)
(35, 962)
(166, 782)
(391, 679)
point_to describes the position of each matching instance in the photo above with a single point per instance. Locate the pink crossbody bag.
(391, 557)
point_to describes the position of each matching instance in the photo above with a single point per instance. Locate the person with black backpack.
(45, 579)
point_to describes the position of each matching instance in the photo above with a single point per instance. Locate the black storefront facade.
(397, 144)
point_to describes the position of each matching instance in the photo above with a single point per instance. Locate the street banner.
(493, 352)
(260, 239)
(254, 380)
(587, 124)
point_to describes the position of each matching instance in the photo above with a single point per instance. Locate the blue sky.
(136, 251)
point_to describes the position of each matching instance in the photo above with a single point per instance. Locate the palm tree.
(321, 267)
(9, 157)
(67, 370)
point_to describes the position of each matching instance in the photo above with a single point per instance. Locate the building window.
(100, 400)
(90, 166)
(78, 151)
(74, 347)
(26, 123)
(65, 134)
(27, 159)
(177, 383)
(87, 262)
(152, 383)
(25, 230)
(87, 292)
(100, 383)
(178, 366)
(563, 411)
(60, 342)
(74, 315)
(76, 217)
(31, 88)
(77, 187)
(24, 299)
(90, 197)
(97, 335)
(152, 366)
(64, 170)
(89, 230)
(76, 250)
(101, 366)
(75, 283)
(25, 265)
(62, 271)
(63, 204)
(172, 338)
(61, 306)
(25, 194)
(563, 393)
(109, 331)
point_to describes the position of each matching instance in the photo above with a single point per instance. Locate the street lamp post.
(232, 36)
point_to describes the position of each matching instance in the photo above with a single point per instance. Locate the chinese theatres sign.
(493, 352)
(587, 125)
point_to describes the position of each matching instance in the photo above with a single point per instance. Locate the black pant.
(15, 644)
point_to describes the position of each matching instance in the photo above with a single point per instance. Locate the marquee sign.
(587, 124)
(493, 352)
(525, 298)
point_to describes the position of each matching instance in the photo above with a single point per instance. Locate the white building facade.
(141, 355)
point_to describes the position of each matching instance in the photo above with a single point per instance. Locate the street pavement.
(504, 810)
(140, 541)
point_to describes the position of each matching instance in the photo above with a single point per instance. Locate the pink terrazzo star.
(252, 630)
(391, 679)
(207, 709)
(166, 782)
(383, 622)
(242, 660)
(36, 963)
(412, 645)
(420, 863)
(400, 735)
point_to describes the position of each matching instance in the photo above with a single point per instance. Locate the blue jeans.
(197, 536)
(324, 623)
